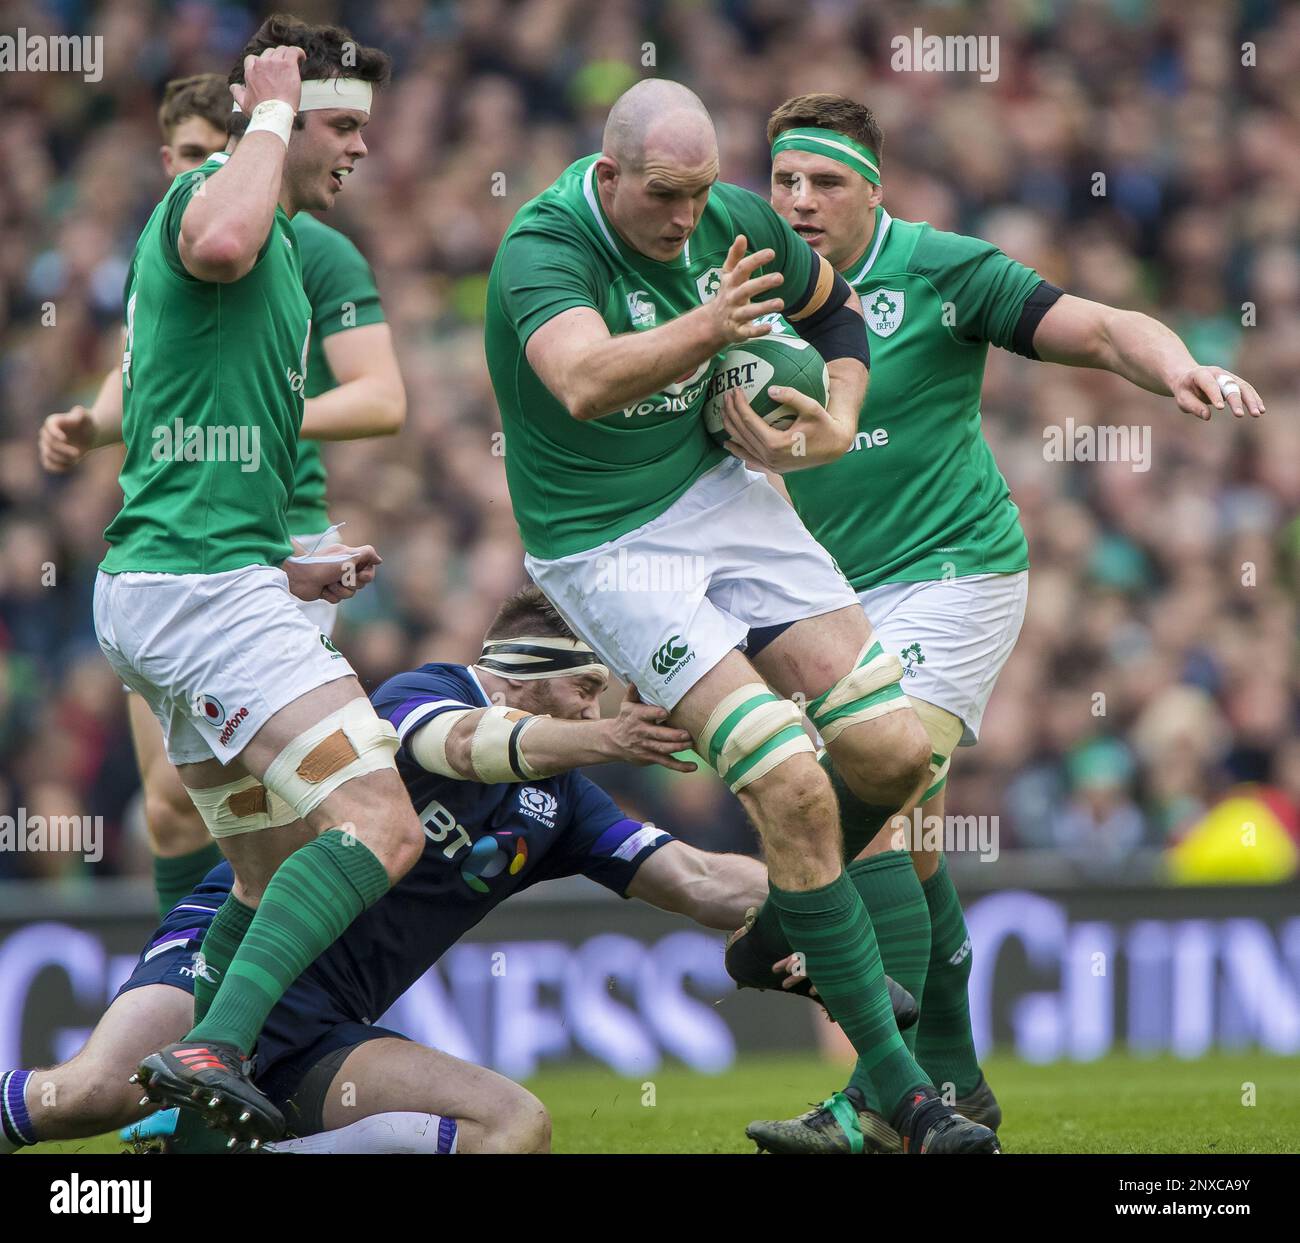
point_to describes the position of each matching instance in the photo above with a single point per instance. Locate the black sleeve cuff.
(814, 274)
(1036, 306)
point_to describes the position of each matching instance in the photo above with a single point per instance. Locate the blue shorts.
(306, 1037)
(168, 956)
(302, 1045)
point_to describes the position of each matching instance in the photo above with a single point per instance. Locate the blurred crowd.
(1157, 666)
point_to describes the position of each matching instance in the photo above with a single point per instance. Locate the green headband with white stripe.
(835, 146)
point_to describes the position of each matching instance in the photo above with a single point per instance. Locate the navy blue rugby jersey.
(482, 844)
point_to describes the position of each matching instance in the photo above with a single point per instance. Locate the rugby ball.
(754, 366)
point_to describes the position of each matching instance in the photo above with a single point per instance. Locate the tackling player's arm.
(508, 744)
(227, 221)
(715, 890)
(594, 373)
(1080, 333)
(370, 399)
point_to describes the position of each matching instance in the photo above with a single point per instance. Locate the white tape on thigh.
(945, 732)
(751, 732)
(348, 743)
(243, 806)
(862, 681)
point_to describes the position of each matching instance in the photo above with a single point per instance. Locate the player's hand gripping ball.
(754, 366)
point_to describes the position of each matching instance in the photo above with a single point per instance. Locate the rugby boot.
(840, 1124)
(211, 1078)
(929, 1126)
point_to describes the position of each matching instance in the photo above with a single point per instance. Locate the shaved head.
(658, 121)
(659, 159)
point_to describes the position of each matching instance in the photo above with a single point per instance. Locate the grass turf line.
(1119, 1104)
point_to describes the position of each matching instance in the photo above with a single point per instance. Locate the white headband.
(334, 93)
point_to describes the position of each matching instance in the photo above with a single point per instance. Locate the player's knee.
(174, 823)
(519, 1123)
(380, 816)
(532, 1128)
(888, 764)
(792, 802)
(405, 843)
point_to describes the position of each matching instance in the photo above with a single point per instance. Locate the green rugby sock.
(945, 1044)
(859, 821)
(831, 928)
(220, 944)
(313, 896)
(894, 898)
(174, 879)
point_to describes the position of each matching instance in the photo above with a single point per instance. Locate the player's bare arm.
(1081, 333)
(66, 437)
(594, 373)
(550, 745)
(225, 226)
(715, 890)
(370, 399)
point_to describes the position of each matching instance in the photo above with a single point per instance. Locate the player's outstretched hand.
(792, 969)
(65, 439)
(1202, 390)
(639, 735)
(275, 74)
(813, 439)
(733, 308)
(335, 573)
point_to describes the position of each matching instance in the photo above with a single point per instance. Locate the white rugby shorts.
(953, 637)
(663, 604)
(214, 655)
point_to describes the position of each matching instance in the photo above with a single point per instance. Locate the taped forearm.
(505, 744)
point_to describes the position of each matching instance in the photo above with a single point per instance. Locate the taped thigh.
(870, 689)
(945, 731)
(243, 806)
(348, 743)
(750, 732)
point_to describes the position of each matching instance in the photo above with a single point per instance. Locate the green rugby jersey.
(575, 484)
(341, 289)
(212, 398)
(919, 496)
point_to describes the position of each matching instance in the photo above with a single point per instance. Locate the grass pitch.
(1119, 1104)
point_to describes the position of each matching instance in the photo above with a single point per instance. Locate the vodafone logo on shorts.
(210, 709)
(232, 725)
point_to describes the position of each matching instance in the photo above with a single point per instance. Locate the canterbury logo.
(961, 953)
(201, 969)
(670, 655)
